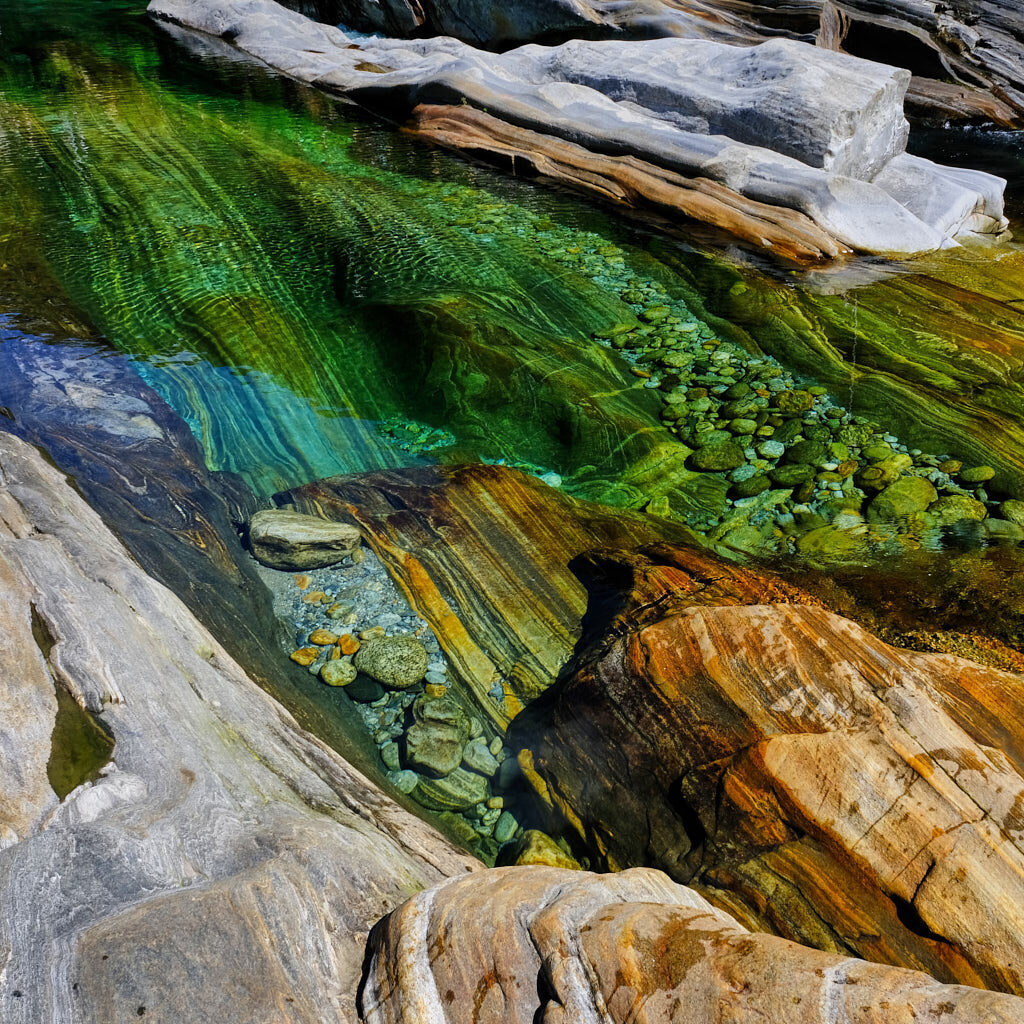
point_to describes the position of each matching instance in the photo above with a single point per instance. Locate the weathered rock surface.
(693, 107)
(816, 782)
(227, 865)
(519, 945)
(292, 541)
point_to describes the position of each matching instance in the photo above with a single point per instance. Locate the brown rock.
(323, 637)
(348, 644)
(567, 947)
(815, 781)
(305, 656)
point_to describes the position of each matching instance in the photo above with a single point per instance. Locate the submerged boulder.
(396, 661)
(292, 541)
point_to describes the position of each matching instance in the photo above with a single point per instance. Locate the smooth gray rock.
(669, 102)
(781, 95)
(226, 858)
(293, 541)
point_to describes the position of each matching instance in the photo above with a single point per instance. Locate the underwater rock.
(292, 541)
(396, 661)
(435, 742)
(542, 943)
(154, 907)
(815, 781)
(339, 672)
(536, 847)
(459, 790)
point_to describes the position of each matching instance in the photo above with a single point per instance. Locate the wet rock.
(506, 827)
(305, 656)
(536, 847)
(953, 508)
(339, 672)
(459, 790)
(323, 637)
(1013, 510)
(293, 541)
(477, 757)
(791, 475)
(391, 756)
(718, 457)
(435, 742)
(905, 497)
(396, 661)
(404, 781)
(365, 690)
(976, 474)
(831, 545)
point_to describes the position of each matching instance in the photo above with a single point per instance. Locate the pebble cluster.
(354, 629)
(795, 472)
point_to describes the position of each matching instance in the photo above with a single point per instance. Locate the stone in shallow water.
(396, 661)
(1013, 510)
(437, 738)
(718, 457)
(536, 847)
(365, 690)
(293, 541)
(479, 758)
(404, 782)
(506, 827)
(339, 672)
(977, 474)
(905, 497)
(955, 507)
(457, 791)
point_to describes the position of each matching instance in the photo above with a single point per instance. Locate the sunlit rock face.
(518, 945)
(817, 782)
(783, 123)
(222, 841)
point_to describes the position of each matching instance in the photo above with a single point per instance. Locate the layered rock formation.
(225, 864)
(682, 105)
(519, 945)
(483, 554)
(967, 58)
(814, 781)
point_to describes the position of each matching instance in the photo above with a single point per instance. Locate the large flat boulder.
(520, 945)
(225, 864)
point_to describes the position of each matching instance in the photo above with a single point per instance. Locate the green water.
(315, 293)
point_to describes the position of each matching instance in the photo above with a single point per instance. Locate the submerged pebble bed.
(796, 471)
(432, 746)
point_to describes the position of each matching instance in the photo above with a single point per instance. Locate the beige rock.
(294, 541)
(520, 945)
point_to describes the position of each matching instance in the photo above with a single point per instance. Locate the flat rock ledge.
(520, 945)
(784, 124)
(225, 865)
